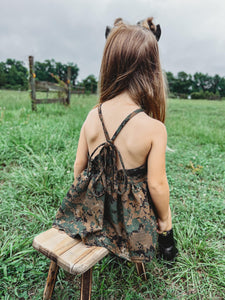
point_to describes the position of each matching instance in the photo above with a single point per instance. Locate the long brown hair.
(131, 63)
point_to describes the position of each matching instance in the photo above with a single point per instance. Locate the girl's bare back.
(135, 139)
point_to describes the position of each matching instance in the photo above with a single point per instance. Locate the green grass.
(37, 152)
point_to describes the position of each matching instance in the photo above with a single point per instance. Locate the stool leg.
(141, 270)
(86, 282)
(50, 283)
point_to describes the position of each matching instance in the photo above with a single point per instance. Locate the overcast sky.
(193, 37)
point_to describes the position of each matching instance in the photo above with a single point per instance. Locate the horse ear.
(148, 24)
(118, 21)
(107, 31)
(151, 25)
(158, 32)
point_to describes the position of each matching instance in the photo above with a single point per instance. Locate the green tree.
(202, 82)
(215, 80)
(183, 84)
(90, 83)
(44, 69)
(171, 80)
(2, 75)
(13, 74)
(221, 87)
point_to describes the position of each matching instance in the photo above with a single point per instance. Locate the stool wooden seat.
(73, 256)
(70, 254)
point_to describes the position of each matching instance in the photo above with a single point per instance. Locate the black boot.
(167, 245)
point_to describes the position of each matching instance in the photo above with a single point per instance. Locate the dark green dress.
(111, 208)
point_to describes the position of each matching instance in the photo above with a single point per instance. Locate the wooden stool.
(74, 257)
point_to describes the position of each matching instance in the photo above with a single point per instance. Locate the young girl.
(120, 196)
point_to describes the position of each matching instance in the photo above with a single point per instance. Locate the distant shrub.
(206, 95)
(172, 96)
(212, 96)
(197, 95)
(16, 87)
(182, 96)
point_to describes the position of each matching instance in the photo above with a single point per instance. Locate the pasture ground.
(37, 152)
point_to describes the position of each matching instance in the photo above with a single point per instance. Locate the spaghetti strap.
(123, 123)
(103, 125)
(130, 116)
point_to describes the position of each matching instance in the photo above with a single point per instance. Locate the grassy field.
(37, 152)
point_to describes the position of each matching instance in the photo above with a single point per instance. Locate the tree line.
(197, 86)
(14, 75)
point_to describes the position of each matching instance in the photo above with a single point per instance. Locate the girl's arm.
(81, 156)
(157, 180)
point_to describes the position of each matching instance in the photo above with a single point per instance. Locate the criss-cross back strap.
(131, 115)
(103, 124)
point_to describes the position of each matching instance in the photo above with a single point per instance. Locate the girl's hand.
(164, 225)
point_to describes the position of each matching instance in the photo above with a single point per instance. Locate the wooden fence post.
(68, 85)
(32, 83)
